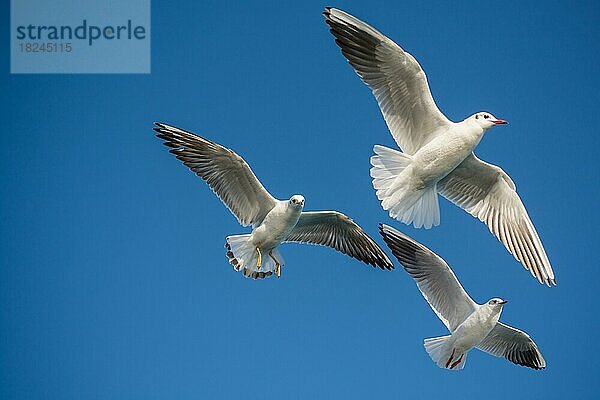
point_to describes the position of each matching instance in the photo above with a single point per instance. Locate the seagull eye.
(477, 116)
(486, 116)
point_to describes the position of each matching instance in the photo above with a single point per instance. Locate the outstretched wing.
(514, 345)
(397, 80)
(487, 192)
(334, 229)
(433, 276)
(227, 174)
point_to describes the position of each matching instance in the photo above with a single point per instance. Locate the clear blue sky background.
(114, 281)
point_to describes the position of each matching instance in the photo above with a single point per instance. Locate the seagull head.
(486, 120)
(297, 201)
(496, 303)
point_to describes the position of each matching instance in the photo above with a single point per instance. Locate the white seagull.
(437, 154)
(471, 324)
(274, 221)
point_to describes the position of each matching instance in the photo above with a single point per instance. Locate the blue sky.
(113, 276)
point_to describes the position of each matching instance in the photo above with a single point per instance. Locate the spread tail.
(244, 257)
(443, 354)
(391, 175)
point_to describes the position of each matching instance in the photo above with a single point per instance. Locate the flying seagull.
(471, 324)
(437, 154)
(273, 221)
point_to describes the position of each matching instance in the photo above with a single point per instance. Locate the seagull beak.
(500, 122)
(503, 302)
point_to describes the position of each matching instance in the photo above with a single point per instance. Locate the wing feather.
(336, 230)
(487, 192)
(227, 174)
(514, 345)
(396, 79)
(433, 276)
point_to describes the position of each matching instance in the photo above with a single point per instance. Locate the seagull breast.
(476, 327)
(277, 225)
(444, 153)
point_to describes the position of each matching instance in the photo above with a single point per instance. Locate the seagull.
(471, 324)
(437, 154)
(274, 221)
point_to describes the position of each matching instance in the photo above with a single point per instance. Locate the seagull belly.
(474, 329)
(276, 227)
(442, 155)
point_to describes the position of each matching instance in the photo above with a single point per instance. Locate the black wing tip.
(531, 357)
(163, 130)
(329, 18)
(389, 229)
(158, 126)
(171, 129)
(403, 247)
(386, 231)
(177, 137)
(381, 260)
(382, 228)
(168, 139)
(550, 282)
(535, 364)
(385, 264)
(161, 127)
(392, 236)
(376, 259)
(532, 366)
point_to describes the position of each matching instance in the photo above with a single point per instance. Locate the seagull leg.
(277, 266)
(455, 363)
(259, 261)
(450, 359)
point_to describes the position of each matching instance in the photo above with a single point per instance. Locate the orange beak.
(500, 122)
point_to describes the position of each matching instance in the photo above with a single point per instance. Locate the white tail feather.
(441, 352)
(391, 175)
(387, 164)
(243, 256)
